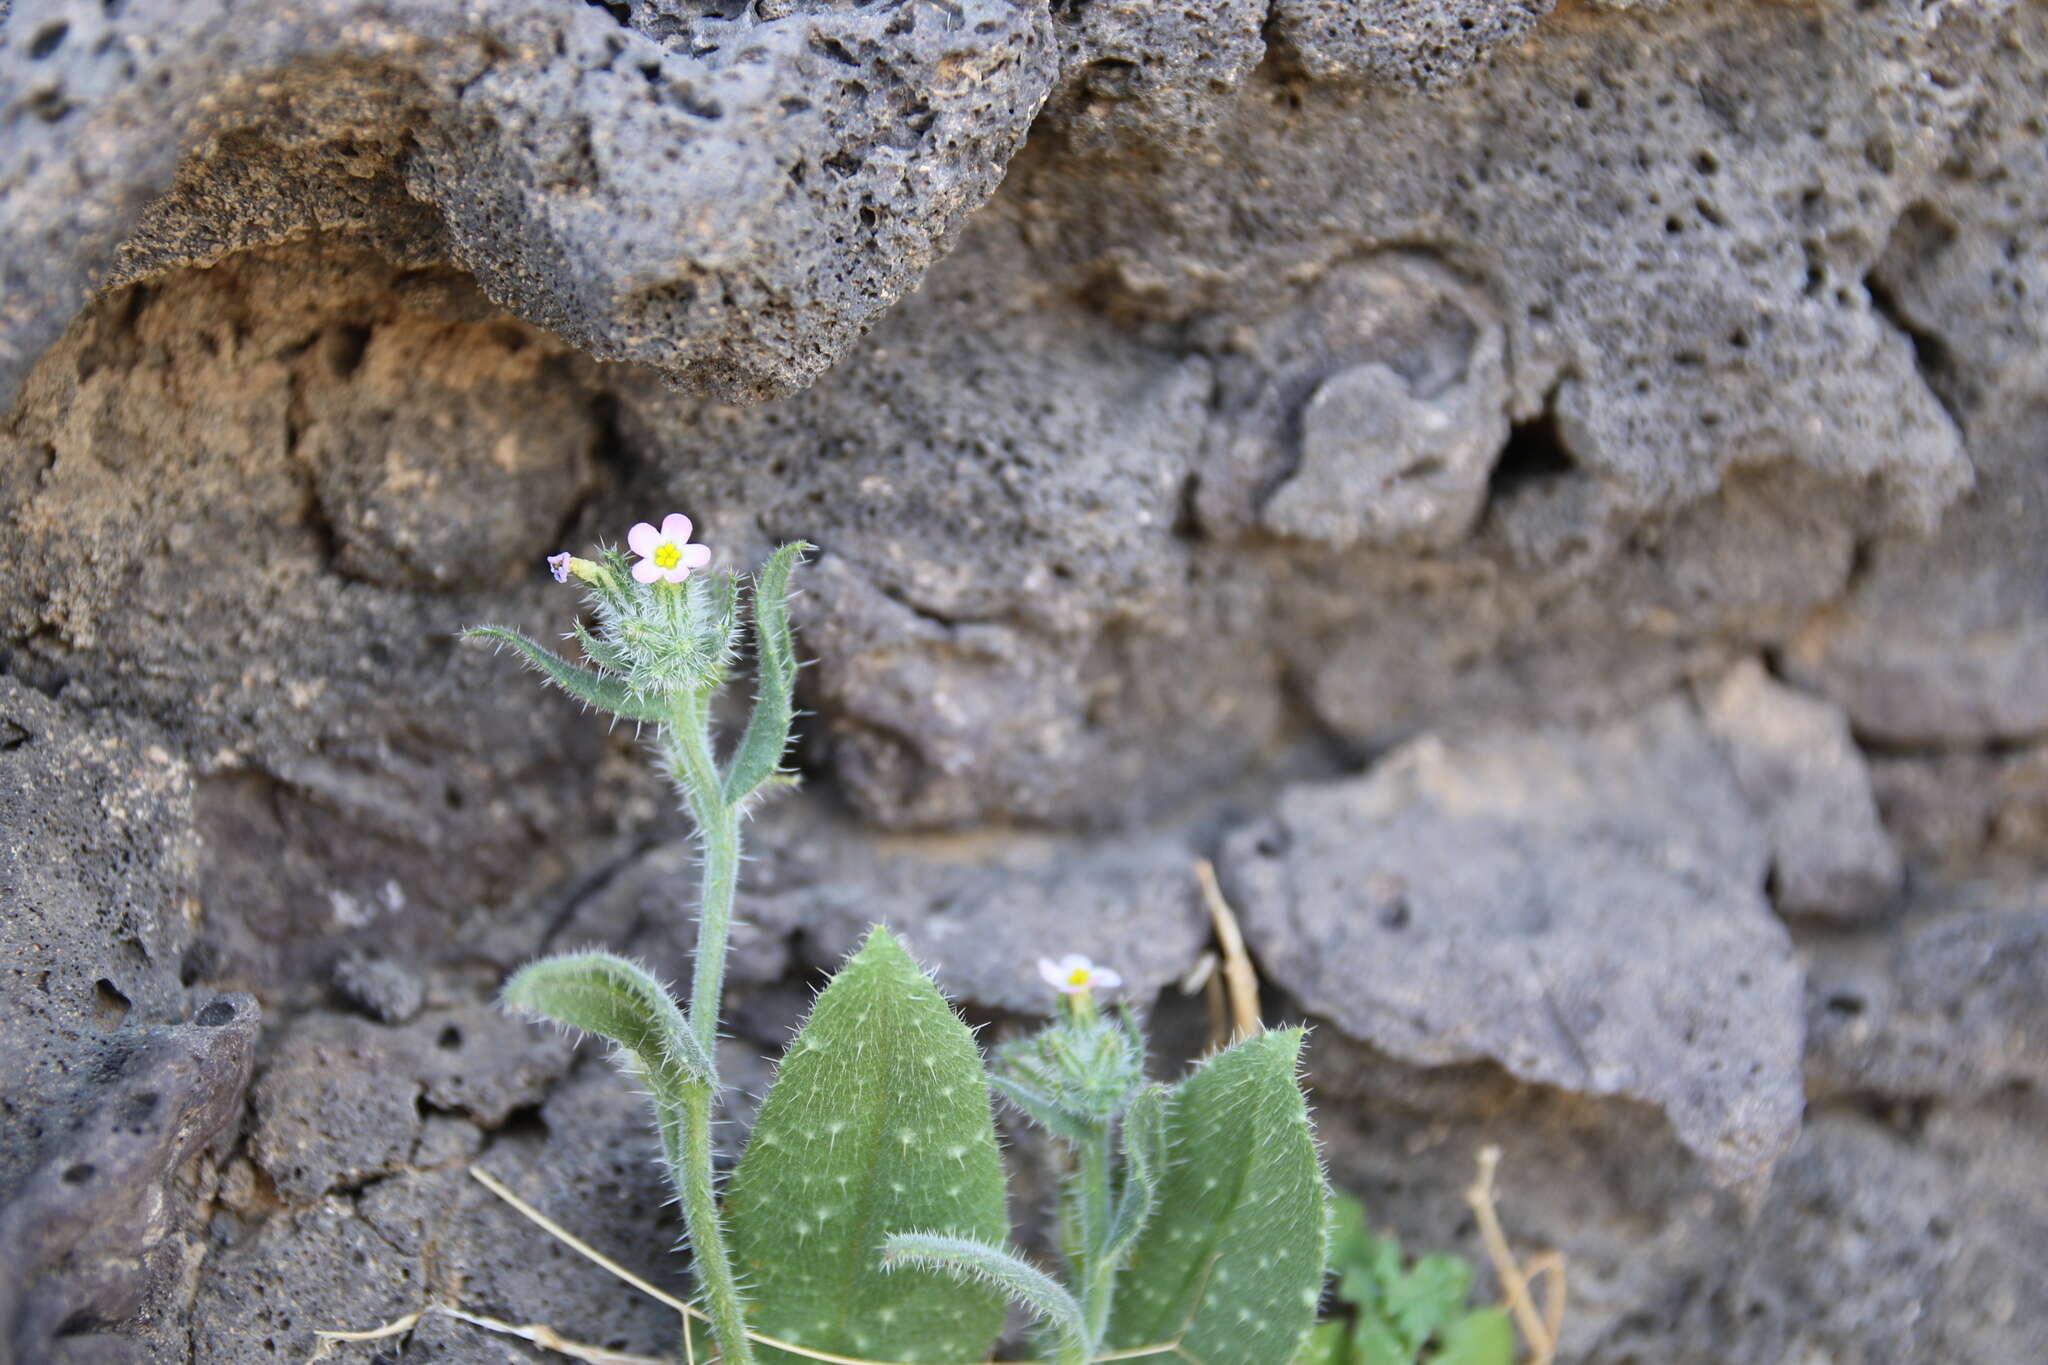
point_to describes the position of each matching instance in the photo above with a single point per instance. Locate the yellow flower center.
(667, 556)
(1078, 977)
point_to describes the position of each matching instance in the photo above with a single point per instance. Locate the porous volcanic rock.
(1587, 911)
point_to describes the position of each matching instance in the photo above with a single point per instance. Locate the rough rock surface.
(1582, 461)
(1585, 910)
(1956, 1012)
(86, 1239)
(1796, 763)
(544, 146)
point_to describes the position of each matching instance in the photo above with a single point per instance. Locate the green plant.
(866, 1217)
(1401, 1312)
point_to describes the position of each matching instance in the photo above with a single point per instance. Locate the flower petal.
(646, 571)
(696, 556)
(1050, 971)
(1075, 962)
(1107, 978)
(643, 539)
(675, 526)
(677, 574)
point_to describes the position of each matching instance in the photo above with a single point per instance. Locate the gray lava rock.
(1673, 212)
(381, 988)
(978, 910)
(1396, 42)
(428, 1231)
(335, 741)
(1583, 909)
(97, 909)
(1962, 811)
(1945, 642)
(1794, 759)
(1134, 72)
(1370, 413)
(342, 1101)
(1953, 1010)
(666, 199)
(83, 1237)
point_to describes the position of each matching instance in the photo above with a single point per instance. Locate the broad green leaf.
(878, 1123)
(759, 752)
(592, 689)
(607, 995)
(1231, 1264)
(1482, 1337)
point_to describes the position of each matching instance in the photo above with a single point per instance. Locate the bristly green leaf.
(1144, 1165)
(759, 753)
(1231, 1263)
(592, 689)
(607, 995)
(878, 1122)
(1043, 1110)
(604, 654)
(968, 1260)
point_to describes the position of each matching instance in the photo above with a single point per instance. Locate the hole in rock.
(47, 40)
(1535, 451)
(109, 1006)
(215, 1014)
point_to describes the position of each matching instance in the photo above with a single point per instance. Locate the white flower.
(666, 554)
(1074, 974)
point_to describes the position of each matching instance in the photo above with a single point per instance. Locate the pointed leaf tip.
(1231, 1260)
(878, 1121)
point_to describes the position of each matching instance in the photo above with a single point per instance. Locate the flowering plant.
(866, 1218)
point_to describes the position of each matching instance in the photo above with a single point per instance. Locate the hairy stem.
(1096, 1270)
(721, 841)
(688, 750)
(686, 1141)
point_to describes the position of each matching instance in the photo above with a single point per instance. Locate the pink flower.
(558, 565)
(1074, 974)
(666, 555)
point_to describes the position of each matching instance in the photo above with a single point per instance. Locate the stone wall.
(1554, 500)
